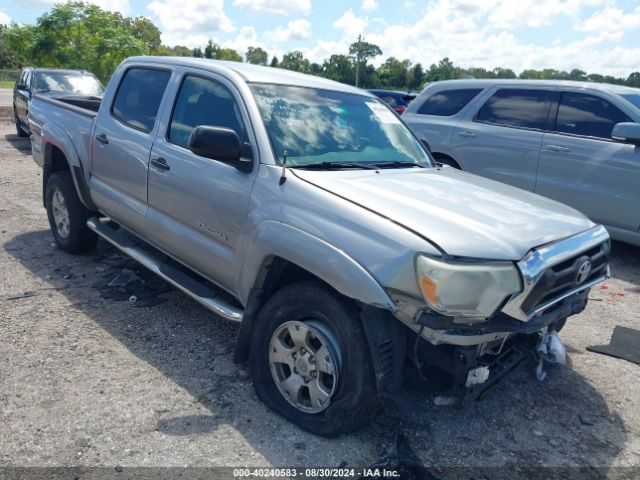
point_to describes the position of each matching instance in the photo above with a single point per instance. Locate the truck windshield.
(329, 128)
(70, 82)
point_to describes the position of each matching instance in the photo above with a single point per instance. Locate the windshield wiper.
(334, 165)
(396, 164)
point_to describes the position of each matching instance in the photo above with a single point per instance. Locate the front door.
(198, 206)
(122, 141)
(502, 140)
(581, 166)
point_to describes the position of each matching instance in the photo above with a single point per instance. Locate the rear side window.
(138, 97)
(588, 115)
(448, 102)
(203, 102)
(516, 108)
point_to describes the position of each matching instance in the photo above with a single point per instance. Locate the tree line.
(83, 36)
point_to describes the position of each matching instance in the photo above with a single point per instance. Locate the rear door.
(581, 166)
(501, 140)
(123, 137)
(199, 206)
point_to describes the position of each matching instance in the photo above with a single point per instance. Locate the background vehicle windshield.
(67, 82)
(315, 126)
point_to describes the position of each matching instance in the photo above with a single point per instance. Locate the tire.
(19, 131)
(335, 332)
(69, 229)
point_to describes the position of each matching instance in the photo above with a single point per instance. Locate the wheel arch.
(447, 159)
(271, 263)
(56, 159)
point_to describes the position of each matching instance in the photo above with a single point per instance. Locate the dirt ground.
(88, 378)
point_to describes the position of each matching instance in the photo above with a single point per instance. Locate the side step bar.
(200, 292)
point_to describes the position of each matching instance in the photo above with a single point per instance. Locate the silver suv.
(575, 142)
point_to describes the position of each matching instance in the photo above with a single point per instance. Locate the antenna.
(283, 177)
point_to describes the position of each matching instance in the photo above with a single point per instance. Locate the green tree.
(394, 73)
(633, 80)
(339, 68)
(415, 78)
(197, 52)
(500, 72)
(444, 70)
(257, 56)
(228, 54)
(210, 51)
(181, 51)
(144, 29)
(363, 51)
(83, 36)
(274, 62)
(295, 61)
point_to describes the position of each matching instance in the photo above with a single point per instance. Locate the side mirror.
(627, 132)
(22, 87)
(221, 144)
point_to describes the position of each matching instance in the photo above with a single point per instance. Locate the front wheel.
(310, 360)
(67, 215)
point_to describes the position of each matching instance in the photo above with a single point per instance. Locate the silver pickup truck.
(307, 211)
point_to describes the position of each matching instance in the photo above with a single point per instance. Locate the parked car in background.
(51, 81)
(306, 210)
(575, 142)
(395, 99)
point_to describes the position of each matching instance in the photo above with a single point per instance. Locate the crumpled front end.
(475, 354)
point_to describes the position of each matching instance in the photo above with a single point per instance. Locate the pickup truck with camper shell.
(307, 211)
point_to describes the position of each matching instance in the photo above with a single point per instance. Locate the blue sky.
(594, 35)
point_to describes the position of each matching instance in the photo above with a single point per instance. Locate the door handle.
(557, 148)
(467, 134)
(160, 163)
(102, 138)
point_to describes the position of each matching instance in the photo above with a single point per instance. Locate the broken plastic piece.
(477, 376)
(551, 348)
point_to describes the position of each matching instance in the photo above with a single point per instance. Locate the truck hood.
(463, 214)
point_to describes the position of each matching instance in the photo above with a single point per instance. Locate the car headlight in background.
(465, 289)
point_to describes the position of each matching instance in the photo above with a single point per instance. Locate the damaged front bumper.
(476, 358)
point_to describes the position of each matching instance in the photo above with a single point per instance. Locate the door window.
(588, 115)
(516, 107)
(448, 102)
(203, 101)
(138, 97)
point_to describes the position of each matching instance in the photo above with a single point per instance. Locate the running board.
(200, 292)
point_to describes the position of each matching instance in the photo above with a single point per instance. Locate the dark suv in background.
(397, 100)
(575, 142)
(52, 81)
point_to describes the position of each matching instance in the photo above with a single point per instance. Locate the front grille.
(562, 277)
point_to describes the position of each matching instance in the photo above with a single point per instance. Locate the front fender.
(313, 254)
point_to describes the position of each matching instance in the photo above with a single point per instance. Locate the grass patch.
(7, 83)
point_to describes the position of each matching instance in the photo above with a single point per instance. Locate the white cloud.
(323, 49)
(469, 38)
(199, 16)
(369, 5)
(610, 19)
(4, 18)
(121, 6)
(351, 24)
(295, 30)
(511, 14)
(283, 7)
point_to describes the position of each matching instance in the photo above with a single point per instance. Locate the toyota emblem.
(583, 272)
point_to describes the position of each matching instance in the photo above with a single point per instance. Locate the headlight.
(466, 289)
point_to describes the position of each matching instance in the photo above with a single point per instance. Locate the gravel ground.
(88, 379)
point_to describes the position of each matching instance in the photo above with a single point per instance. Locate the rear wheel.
(310, 360)
(19, 131)
(67, 215)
